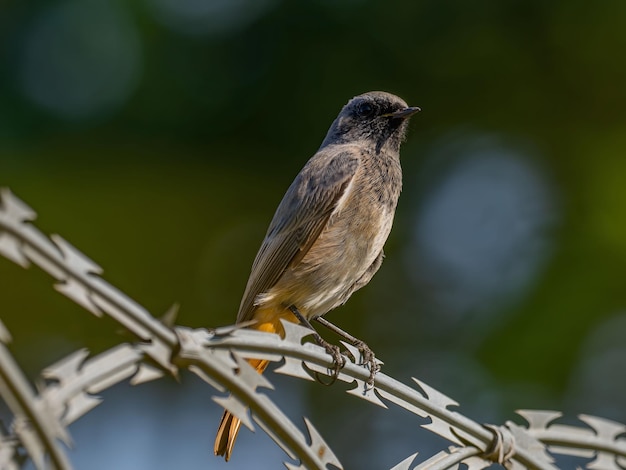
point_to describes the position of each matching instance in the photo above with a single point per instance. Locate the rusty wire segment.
(70, 386)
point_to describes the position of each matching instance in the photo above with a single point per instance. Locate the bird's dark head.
(377, 117)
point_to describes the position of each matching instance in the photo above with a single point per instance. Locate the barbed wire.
(68, 388)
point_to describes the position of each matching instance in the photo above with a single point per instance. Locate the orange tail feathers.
(229, 425)
(268, 319)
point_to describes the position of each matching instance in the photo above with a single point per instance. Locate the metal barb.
(68, 387)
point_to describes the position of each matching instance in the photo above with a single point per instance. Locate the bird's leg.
(367, 354)
(331, 349)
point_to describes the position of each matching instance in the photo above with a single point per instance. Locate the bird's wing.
(300, 218)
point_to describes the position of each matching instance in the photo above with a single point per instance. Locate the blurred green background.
(158, 136)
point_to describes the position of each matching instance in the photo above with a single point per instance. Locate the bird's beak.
(404, 113)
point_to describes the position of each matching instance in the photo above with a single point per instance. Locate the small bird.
(327, 235)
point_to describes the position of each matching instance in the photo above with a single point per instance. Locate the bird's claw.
(368, 359)
(339, 361)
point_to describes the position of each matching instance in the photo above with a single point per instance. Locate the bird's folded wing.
(300, 218)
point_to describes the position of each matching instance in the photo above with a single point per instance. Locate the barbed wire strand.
(217, 356)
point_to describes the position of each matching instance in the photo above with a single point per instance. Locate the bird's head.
(377, 117)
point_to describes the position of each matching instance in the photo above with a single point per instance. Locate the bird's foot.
(368, 359)
(339, 360)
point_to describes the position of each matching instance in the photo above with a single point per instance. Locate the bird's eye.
(365, 110)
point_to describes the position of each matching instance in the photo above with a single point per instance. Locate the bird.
(326, 238)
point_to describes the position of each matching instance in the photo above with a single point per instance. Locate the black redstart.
(327, 235)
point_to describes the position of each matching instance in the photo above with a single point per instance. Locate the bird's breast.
(347, 246)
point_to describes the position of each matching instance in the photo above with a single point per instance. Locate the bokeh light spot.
(595, 386)
(198, 17)
(80, 59)
(481, 235)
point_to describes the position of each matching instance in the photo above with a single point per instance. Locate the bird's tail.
(268, 319)
(229, 425)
